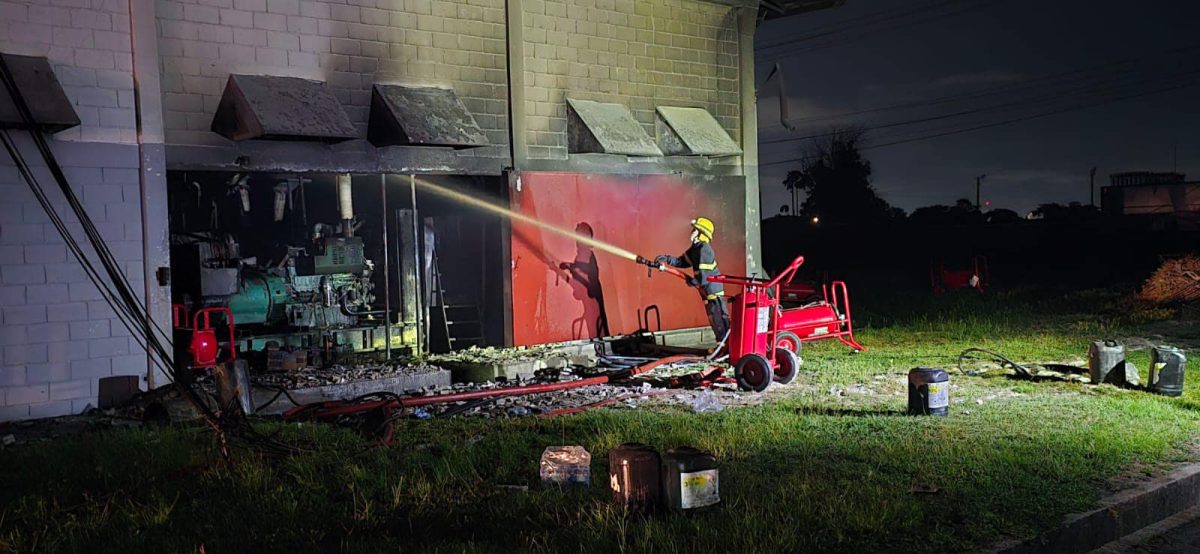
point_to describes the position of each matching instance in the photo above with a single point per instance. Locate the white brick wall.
(88, 43)
(640, 53)
(350, 44)
(57, 337)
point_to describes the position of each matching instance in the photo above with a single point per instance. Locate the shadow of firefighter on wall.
(584, 278)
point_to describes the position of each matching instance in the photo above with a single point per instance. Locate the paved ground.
(1176, 535)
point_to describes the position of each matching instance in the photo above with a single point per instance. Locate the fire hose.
(337, 408)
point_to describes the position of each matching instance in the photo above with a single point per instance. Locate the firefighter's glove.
(692, 282)
(662, 260)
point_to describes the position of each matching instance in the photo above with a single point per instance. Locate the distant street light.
(816, 220)
(978, 183)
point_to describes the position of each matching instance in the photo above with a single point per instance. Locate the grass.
(808, 471)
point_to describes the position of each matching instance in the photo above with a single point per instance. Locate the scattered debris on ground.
(491, 354)
(338, 375)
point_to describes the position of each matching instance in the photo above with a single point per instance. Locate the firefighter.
(703, 262)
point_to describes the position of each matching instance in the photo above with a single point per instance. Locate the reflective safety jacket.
(703, 261)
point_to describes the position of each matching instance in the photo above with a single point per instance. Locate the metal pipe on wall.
(422, 316)
(387, 268)
(345, 198)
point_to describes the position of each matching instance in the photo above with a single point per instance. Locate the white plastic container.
(566, 465)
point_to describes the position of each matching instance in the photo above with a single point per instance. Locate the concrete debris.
(707, 402)
(476, 354)
(309, 377)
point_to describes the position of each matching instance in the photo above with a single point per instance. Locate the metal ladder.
(467, 316)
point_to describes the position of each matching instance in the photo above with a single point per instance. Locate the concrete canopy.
(281, 108)
(47, 102)
(605, 128)
(423, 116)
(693, 132)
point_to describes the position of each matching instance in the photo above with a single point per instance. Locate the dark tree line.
(835, 181)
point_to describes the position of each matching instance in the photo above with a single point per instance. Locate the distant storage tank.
(1167, 365)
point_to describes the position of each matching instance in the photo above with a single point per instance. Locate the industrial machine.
(296, 285)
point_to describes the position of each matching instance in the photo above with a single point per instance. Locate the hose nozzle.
(645, 262)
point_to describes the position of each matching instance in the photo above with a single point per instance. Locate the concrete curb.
(1118, 515)
(399, 384)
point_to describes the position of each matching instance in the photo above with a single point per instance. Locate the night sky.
(1001, 48)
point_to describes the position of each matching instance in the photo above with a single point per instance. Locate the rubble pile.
(307, 377)
(491, 354)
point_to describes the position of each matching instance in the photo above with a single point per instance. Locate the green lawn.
(810, 470)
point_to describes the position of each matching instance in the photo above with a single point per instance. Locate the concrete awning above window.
(693, 132)
(47, 102)
(280, 108)
(421, 116)
(771, 9)
(603, 128)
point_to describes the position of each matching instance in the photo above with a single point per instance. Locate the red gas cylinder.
(204, 347)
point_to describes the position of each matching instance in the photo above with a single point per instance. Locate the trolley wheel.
(789, 341)
(787, 365)
(753, 373)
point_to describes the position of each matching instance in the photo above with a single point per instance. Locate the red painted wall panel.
(648, 215)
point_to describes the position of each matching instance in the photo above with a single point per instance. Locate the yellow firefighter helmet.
(705, 226)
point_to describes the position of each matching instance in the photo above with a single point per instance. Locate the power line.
(1003, 122)
(853, 22)
(864, 33)
(1097, 88)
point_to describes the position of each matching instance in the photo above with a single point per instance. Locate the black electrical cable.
(279, 392)
(1001, 122)
(117, 293)
(1109, 70)
(1032, 102)
(1019, 369)
(863, 25)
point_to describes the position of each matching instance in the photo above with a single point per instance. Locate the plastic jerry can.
(566, 465)
(690, 479)
(1104, 357)
(1167, 365)
(634, 476)
(928, 392)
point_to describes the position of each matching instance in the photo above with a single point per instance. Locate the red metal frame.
(200, 334)
(179, 316)
(942, 279)
(828, 319)
(759, 303)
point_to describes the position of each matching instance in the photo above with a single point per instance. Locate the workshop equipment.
(634, 475)
(1104, 357)
(764, 338)
(974, 275)
(928, 392)
(1167, 365)
(690, 479)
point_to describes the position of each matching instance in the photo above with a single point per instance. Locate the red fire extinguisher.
(205, 347)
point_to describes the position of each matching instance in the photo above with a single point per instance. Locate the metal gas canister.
(1167, 365)
(1104, 357)
(928, 392)
(690, 479)
(633, 475)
